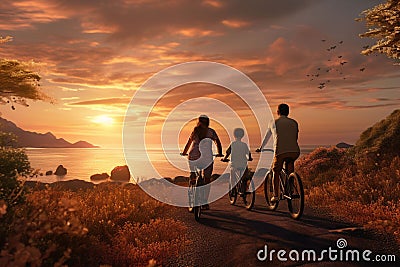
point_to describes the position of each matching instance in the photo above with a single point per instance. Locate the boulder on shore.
(60, 171)
(121, 173)
(181, 179)
(169, 179)
(99, 177)
(49, 173)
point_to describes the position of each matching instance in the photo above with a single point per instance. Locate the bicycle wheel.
(197, 213)
(249, 196)
(232, 194)
(197, 199)
(296, 193)
(191, 197)
(269, 192)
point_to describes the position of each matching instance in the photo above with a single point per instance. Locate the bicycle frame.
(238, 181)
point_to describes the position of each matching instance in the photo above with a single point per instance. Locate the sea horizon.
(81, 163)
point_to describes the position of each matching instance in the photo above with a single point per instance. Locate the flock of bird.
(336, 65)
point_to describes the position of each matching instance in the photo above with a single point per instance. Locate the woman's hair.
(202, 127)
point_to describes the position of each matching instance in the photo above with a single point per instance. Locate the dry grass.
(108, 225)
(366, 192)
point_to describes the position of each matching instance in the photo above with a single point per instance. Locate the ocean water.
(81, 163)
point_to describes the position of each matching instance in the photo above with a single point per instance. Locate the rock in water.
(121, 173)
(98, 176)
(343, 145)
(60, 171)
(49, 173)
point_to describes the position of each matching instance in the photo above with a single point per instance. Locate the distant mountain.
(33, 139)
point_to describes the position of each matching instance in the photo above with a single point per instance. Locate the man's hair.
(283, 109)
(238, 133)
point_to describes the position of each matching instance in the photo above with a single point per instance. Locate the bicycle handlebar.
(227, 160)
(214, 155)
(264, 150)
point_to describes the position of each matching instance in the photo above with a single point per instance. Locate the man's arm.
(266, 139)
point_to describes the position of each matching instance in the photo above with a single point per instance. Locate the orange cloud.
(104, 101)
(191, 32)
(213, 3)
(235, 23)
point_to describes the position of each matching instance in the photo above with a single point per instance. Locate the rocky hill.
(33, 139)
(382, 138)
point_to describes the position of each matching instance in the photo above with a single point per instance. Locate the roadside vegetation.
(109, 225)
(361, 184)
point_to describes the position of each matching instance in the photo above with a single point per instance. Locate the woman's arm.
(187, 146)
(219, 146)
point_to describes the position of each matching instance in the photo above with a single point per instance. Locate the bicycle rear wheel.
(249, 196)
(197, 199)
(296, 193)
(197, 213)
(232, 194)
(191, 197)
(269, 192)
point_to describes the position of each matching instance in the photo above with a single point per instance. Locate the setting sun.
(103, 119)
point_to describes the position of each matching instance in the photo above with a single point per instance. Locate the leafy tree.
(17, 82)
(384, 23)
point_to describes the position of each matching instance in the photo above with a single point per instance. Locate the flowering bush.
(323, 165)
(108, 225)
(369, 189)
(38, 231)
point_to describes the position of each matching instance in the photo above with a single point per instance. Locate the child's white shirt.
(239, 153)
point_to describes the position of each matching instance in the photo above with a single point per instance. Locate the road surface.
(232, 236)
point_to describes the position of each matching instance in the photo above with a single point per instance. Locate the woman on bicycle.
(200, 154)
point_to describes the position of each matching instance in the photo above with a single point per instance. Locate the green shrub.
(13, 163)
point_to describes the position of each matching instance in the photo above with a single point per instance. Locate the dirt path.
(231, 236)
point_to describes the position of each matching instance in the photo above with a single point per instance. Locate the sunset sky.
(93, 55)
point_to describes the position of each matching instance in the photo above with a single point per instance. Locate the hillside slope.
(382, 138)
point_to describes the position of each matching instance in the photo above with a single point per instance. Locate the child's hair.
(238, 133)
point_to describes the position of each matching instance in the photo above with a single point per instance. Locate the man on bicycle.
(285, 134)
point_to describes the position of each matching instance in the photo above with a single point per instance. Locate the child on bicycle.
(240, 154)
